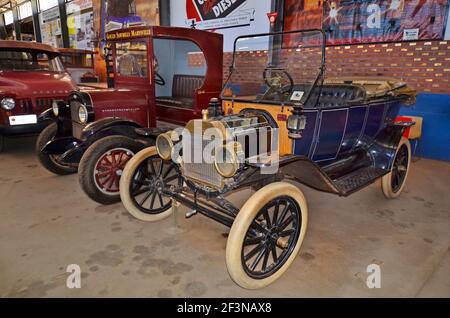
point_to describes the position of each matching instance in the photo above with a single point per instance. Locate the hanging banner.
(366, 21)
(232, 18)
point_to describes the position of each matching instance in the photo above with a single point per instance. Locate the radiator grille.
(203, 172)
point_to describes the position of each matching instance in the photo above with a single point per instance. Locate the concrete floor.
(47, 223)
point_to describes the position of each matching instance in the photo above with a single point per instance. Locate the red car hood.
(30, 84)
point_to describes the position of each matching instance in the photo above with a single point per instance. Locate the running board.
(302, 170)
(358, 179)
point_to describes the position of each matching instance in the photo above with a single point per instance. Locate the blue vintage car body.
(336, 136)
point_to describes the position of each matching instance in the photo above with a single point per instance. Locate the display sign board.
(50, 24)
(231, 18)
(126, 35)
(348, 21)
(78, 5)
(81, 30)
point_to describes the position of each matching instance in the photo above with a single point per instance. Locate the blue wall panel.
(435, 111)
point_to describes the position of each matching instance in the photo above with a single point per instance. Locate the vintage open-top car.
(161, 74)
(31, 78)
(279, 120)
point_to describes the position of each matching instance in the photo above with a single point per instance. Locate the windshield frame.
(317, 81)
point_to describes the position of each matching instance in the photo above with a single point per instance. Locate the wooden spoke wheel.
(266, 235)
(394, 182)
(102, 165)
(142, 184)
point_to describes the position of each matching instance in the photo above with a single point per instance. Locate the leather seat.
(183, 91)
(336, 95)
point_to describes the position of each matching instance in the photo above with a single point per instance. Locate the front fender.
(58, 146)
(307, 172)
(48, 115)
(109, 126)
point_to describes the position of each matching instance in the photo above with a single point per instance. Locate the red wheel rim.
(109, 168)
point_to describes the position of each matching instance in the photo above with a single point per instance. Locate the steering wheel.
(273, 77)
(159, 80)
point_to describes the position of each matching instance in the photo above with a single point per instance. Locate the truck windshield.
(132, 59)
(275, 68)
(74, 60)
(29, 62)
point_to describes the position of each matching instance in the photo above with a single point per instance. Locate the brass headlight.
(83, 114)
(227, 159)
(164, 145)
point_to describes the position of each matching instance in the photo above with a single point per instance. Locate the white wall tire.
(129, 200)
(388, 183)
(235, 257)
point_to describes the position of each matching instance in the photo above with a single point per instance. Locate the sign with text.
(232, 18)
(125, 35)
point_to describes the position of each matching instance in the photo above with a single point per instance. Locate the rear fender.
(384, 147)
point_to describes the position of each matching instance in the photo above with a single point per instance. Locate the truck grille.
(42, 104)
(202, 172)
(27, 106)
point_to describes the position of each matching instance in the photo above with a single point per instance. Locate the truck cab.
(160, 76)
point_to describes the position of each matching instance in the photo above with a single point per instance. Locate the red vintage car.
(31, 78)
(160, 74)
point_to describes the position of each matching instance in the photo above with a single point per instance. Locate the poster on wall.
(80, 22)
(81, 30)
(231, 18)
(78, 6)
(51, 27)
(347, 22)
(117, 14)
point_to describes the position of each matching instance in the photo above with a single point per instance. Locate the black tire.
(2, 143)
(48, 161)
(89, 173)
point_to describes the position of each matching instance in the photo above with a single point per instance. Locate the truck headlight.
(55, 108)
(83, 114)
(227, 159)
(8, 103)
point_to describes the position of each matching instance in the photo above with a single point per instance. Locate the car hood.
(30, 84)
